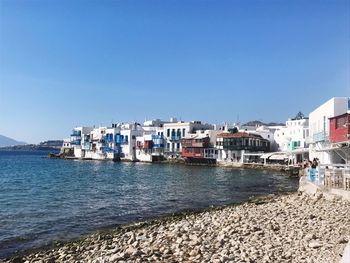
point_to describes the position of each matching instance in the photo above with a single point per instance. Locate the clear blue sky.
(70, 63)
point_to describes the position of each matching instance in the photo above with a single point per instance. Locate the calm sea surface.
(43, 200)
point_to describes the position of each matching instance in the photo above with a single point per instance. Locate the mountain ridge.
(260, 123)
(50, 145)
(7, 141)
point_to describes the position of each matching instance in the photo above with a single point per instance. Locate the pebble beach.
(283, 228)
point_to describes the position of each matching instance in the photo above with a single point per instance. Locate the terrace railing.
(334, 176)
(320, 137)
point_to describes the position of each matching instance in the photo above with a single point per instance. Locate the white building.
(127, 140)
(78, 138)
(293, 139)
(174, 131)
(293, 135)
(150, 145)
(319, 128)
(267, 132)
(99, 144)
(116, 142)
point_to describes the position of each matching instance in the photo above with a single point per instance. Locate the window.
(178, 145)
(341, 122)
(183, 132)
(168, 132)
(178, 133)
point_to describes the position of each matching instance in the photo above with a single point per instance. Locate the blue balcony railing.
(156, 146)
(175, 137)
(158, 141)
(76, 133)
(157, 137)
(109, 137)
(320, 137)
(75, 142)
(121, 139)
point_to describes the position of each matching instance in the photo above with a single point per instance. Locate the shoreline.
(237, 224)
(290, 170)
(115, 228)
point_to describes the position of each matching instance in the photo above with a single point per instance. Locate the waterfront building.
(127, 140)
(267, 132)
(150, 145)
(339, 138)
(199, 147)
(116, 142)
(144, 145)
(293, 139)
(232, 147)
(77, 140)
(175, 130)
(100, 144)
(319, 120)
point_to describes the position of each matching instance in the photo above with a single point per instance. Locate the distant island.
(51, 145)
(7, 141)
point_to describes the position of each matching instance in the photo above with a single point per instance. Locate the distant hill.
(6, 141)
(51, 145)
(259, 123)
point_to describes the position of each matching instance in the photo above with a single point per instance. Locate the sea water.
(44, 200)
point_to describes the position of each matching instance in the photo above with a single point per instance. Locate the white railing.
(332, 176)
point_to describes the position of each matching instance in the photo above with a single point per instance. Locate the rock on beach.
(285, 228)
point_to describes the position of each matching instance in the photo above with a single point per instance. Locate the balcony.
(157, 137)
(245, 147)
(87, 146)
(76, 133)
(320, 137)
(175, 138)
(109, 137)
(75, 142)
(158, 141)
(119, 139)
(169, 150)
(155, 146)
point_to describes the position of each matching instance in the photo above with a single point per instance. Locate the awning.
(266, 155)
(278, 157)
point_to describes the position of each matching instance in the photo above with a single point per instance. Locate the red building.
(194, 147)
(146, 145)
(339, 130)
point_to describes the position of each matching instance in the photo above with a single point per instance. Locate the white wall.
(294, 131)
(319, 123)
(190, 127)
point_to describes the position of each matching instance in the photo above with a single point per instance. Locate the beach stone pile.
(284, 228)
